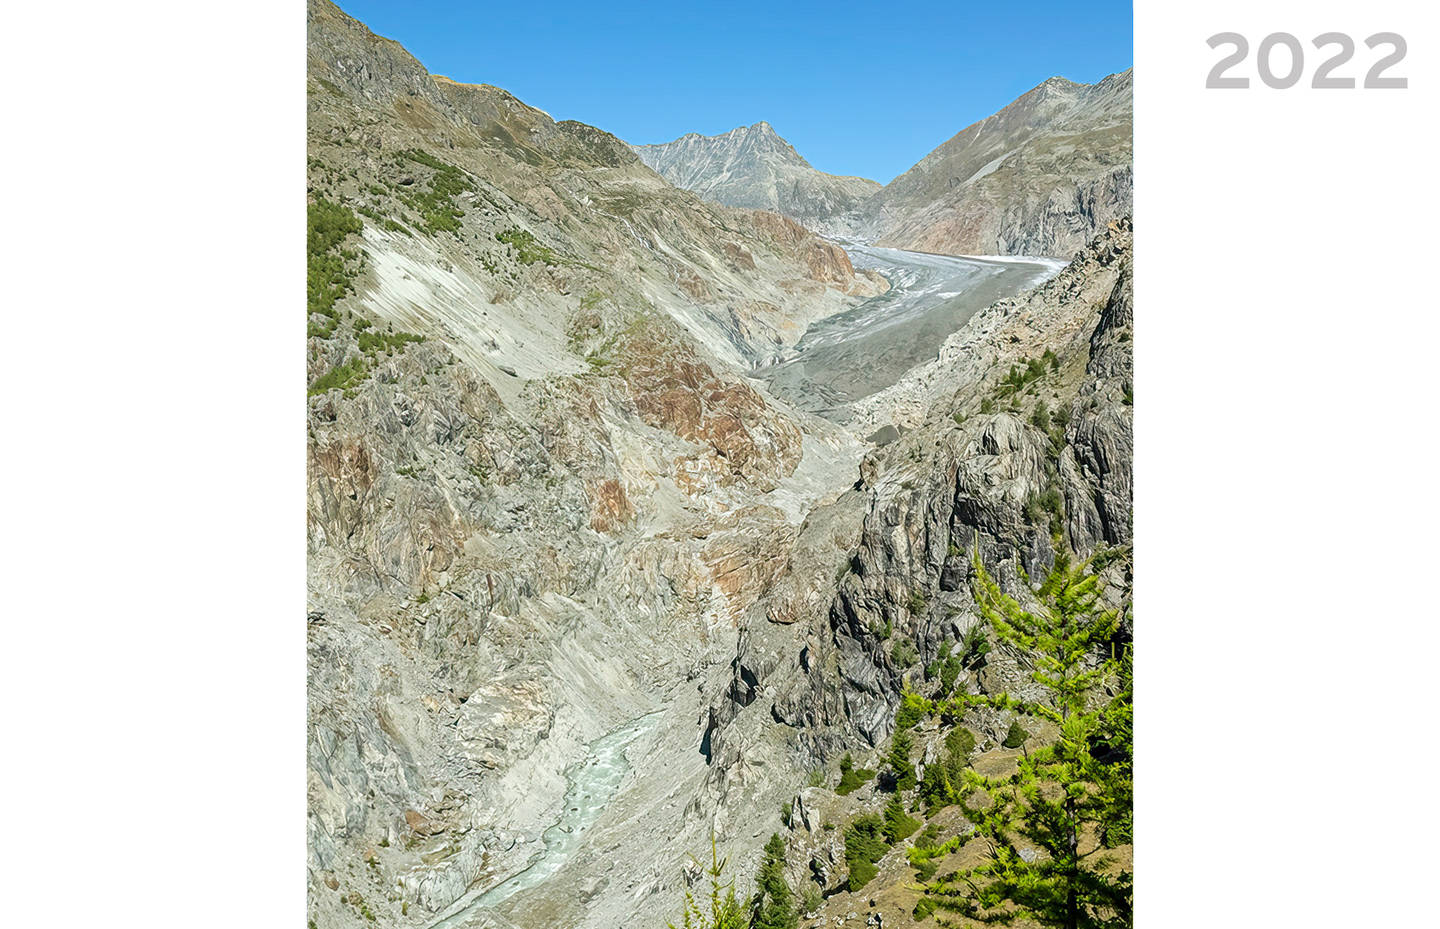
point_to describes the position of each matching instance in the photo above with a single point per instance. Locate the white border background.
(1285, 507)
(1285, 510)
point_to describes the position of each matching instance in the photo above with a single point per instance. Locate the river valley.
(851, 355)
(632, 771)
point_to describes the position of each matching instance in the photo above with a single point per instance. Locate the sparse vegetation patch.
(528, 250)
(436, 205)
(330, 270)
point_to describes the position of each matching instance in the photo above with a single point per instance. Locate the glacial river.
(853, 354)
(593, 781)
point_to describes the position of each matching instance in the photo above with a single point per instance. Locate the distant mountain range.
(753, 167)
(1040, 177)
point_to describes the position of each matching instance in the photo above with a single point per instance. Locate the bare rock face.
(753, 167)
(1040, 177)
(675, 390)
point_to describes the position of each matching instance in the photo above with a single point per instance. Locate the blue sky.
(857, 88)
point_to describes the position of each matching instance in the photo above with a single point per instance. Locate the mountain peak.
(754, 167)
(982, 191)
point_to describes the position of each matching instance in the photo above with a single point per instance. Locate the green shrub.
(1040, 419)
(774, 903)
(342, 377)
(1046, 509)
(943, 781)
(851, 777)
(528, 250)
(960, 742)
(903, 653)
(937, 788)
(373, 342)
(949, 674)
(436, 205)
(924, 906)
(1022, 375)
(974, 646)
(810, 898)
(1016, 736)
(925, 856)
(912, 710)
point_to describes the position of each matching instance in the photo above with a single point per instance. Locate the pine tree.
(936, 789)
(1068, 800)
(864, 845)
(899, 825)
(725, 911)
(774, 906)
(941, 784)
(902, 770)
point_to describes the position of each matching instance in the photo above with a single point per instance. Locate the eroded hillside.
(539, 486)
(569, 567)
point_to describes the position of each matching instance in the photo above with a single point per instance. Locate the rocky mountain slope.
(1040, 177)
(754, 167)
(540, 491)
(875, 597)
(547, 510)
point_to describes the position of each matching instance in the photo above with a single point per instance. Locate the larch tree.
(1051, 826)
(902, 769)
(774, 905)
(724, 911)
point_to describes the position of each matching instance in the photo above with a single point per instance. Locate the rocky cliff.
(754, 167)
(1040, 177)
